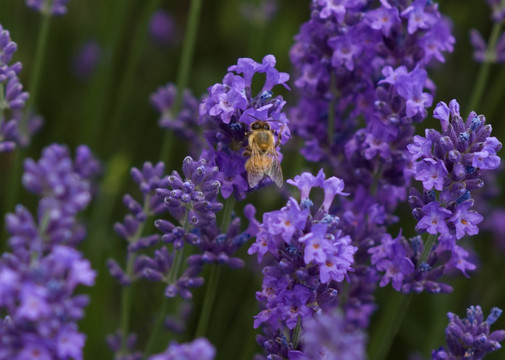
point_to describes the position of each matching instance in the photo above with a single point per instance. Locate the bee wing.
(253, 178)
(254, 168)
(275, 171)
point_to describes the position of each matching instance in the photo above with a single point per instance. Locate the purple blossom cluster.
(363, 83)
(39, 277)
(470, 338)
(341, 53)
(162, 27)
(185, 122)
(310, 257)
(12, 96)
(498, 10)
(228, 111)
(86, 60)
(54, 7)
(327, 336)
(191, 201)
(198, 349)
(449, 166)
(482, 53)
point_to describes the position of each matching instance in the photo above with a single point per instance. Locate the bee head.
(260, 125)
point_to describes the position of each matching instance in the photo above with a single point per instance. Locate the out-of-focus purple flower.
(470, 337)
(356, 43)
(261, 13)
(12, 97)
(162, 27)
(479, 46)
(185, 121)
(228, 111)
(498, 10)
(391, 258)
(86, 60)
(114, 342)
(326, 336)
(55, 7)
(39, 277)
(198, 349)
(64, 191)
(54, 178)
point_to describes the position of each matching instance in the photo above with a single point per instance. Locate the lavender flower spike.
(199, 349)
(12, 96)
(55, 7)
(470, 338)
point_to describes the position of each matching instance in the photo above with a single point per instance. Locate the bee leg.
(247, 151)
(278, 142)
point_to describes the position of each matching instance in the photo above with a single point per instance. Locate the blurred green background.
(110, 112)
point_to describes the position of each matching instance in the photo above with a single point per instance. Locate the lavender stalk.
(483, 74)
(183, 70)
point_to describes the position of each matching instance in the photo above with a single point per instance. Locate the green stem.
(183, 69)
(496, 94)
(392, 318)
(172, 278)
(208, 301)
(126, 291)
(33, 89)
(157, 328)
(215, 271)
(483, 74)
(3, 105)
(99, 92)
(126, 299)
(229, 205)
(296, 333)
(132, 62)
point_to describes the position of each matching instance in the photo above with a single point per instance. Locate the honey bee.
(262, 153)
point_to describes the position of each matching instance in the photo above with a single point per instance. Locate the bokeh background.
(108, 109)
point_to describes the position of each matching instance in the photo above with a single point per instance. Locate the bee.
(261, 149)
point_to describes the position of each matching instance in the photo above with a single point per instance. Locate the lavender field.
(253, 179)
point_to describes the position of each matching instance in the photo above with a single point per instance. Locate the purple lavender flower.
(498, 10)
(449, 164)
(356, 43)
(39, 277)
(229, 110)
(148, 179)
(191, 200)
(198, 349)
(311, 257)
(470, 337)
(55, 7)
(391, 258)
(129, 352)
(185, 122)
(162, 27)
(326, 336)
(65, 188)
(12, 96)
(86, 60)
(259, 14)
(53, 177)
